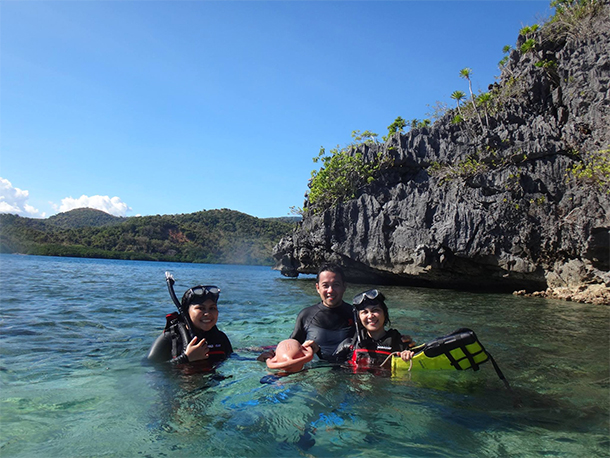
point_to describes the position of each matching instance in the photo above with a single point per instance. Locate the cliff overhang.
(487, 204)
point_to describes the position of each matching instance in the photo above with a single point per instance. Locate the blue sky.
(165, 107)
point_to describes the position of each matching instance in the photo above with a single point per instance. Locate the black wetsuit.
(169, 346)
(328, 327)
(369, 352)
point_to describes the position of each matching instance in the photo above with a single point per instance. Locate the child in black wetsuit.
(373, 344)
(208, 345)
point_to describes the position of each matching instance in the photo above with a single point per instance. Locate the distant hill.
(212, 236)
(83, 217)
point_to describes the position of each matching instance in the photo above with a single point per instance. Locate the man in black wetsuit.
(328, 323)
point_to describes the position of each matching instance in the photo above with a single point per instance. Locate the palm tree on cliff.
(457, 96)
(465, 73)
(484, 100)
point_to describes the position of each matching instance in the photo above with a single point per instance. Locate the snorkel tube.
(183, 313)
(357, 323)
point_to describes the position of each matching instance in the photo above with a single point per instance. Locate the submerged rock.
(491, 205)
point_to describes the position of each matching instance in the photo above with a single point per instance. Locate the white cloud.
(115, 206)
(14, 200)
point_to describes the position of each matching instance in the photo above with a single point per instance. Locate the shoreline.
(585, 294)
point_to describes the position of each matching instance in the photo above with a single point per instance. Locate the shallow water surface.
(74, 381)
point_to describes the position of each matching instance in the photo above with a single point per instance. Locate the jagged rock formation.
(488, 204)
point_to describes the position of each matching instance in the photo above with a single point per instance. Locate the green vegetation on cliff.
(339, 178)
(213, 236)
(343, 172)
(346, 170)
(593, 170)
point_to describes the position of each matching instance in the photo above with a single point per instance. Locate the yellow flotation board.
(459, 350)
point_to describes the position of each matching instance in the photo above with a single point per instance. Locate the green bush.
(528, 46)
(525, 31)
(340, 176)
(594, 170)
(574, 10)
(573, 17)
(397, 126)
(469, 167)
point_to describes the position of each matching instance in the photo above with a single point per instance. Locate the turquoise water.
(74, 383)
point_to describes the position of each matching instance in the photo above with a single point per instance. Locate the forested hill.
(212, 236)
(83, 217)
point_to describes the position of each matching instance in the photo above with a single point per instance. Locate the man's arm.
(299, 333)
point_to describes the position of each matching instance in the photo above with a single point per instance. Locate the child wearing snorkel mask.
(373, 344)
(208, 342)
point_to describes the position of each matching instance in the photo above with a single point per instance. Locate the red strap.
(354, 359)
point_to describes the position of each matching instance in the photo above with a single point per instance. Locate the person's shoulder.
(217, 331)
(160, 350)
(311, 308)
(394, 333)
(405, 340)
(347, 307)
(225, 337)
(215, 335)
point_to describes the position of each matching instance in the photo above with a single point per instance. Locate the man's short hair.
(330, 267)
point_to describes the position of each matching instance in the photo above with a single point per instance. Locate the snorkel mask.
(200, 294)
(372, 296)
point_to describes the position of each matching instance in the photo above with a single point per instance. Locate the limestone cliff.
(491, 202)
